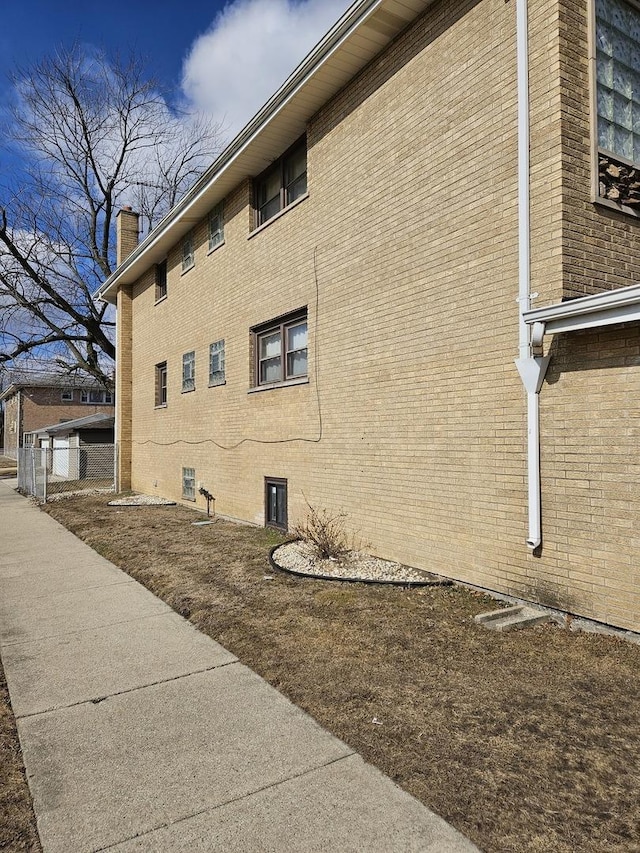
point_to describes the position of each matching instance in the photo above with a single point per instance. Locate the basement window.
(189, 484)
(275, 502)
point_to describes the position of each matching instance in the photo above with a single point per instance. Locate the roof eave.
(344, 27)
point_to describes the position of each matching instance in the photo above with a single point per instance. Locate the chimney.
(126, 233)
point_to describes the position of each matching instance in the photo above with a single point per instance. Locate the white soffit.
(363, 31)
(588, 312)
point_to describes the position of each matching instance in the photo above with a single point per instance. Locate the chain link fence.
(44, 471)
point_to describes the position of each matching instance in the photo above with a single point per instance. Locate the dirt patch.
(17, 822)
(525, 741)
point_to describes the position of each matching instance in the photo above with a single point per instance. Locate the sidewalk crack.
(228, 802)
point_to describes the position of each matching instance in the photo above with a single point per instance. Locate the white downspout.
(532, 370)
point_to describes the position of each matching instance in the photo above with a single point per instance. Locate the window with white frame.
(96, 396)
(281, 349)
(188, 255)
(189, 484)
(216, 226)
(189, 371)
(216, 363)
(618, 77)
(67, 395)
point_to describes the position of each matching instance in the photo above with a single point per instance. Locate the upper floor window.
(618, 77)
(282, 183)
(216, 363)
(161, 280)
(161, 384)
(216, 226)
(188, 255)
(189, 371)
(96, 396)
(281, 349)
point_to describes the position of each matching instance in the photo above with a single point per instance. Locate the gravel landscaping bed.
(142, 500)
(301, 558)
(60, 496)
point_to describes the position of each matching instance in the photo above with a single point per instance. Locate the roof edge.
(323, 49)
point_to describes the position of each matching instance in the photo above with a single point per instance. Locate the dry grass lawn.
(525, 741)
(18, 832)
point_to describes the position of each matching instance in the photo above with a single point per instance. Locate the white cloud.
(249, 50)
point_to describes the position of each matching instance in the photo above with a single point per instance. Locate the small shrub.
(326, 532)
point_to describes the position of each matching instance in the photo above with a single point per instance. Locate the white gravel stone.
(301, 557)
(60, 496)
(142, 500)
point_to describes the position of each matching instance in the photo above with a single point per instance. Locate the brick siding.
(405, 253)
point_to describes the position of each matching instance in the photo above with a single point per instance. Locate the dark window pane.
(276, 508)
(269, 209)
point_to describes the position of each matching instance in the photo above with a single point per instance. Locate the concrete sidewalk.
(139, 733)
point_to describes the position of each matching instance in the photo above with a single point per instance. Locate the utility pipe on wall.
(532, 370)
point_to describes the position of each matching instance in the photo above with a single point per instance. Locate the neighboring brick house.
(33, 402)
(333, 312)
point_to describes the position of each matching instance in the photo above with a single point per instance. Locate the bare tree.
(92, 135)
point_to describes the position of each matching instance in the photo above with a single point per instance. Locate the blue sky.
(162, 32)
(225, 58)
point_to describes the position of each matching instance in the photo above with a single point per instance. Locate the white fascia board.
(589, 312)
(353, 18)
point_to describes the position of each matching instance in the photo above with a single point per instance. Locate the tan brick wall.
(127, 225)
(601, 245)
(590, 417)
(405, 252)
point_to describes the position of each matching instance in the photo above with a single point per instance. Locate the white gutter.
(587, 312)
(359, 12)
(532, 370)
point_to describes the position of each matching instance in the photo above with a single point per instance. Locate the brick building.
(335, 311)
(34, 401)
